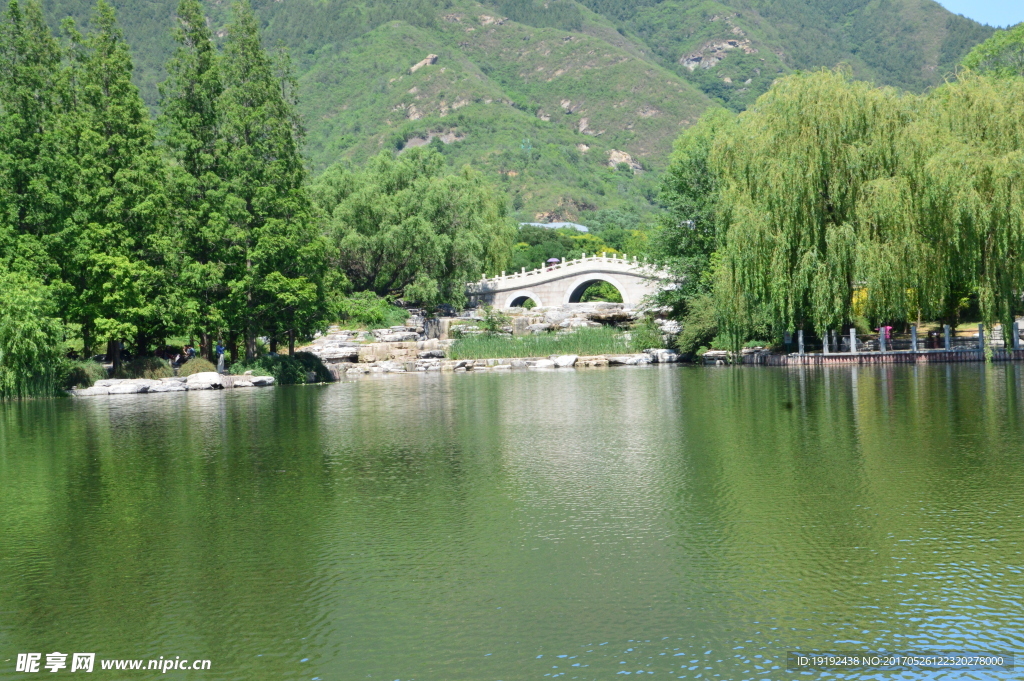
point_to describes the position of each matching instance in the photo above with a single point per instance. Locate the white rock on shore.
(207, 380)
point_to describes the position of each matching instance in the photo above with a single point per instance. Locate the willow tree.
(409, 227)
(964, 162)
(794, 173)
(831, 185)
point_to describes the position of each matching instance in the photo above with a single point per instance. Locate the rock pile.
(207, 380)
(427, 364)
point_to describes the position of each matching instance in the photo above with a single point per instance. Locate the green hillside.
(570, 106)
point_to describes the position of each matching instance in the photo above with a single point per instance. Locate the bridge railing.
(494, 282)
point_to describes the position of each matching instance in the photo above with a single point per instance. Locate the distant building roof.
(556, 225)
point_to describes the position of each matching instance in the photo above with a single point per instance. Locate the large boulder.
(392, 367)
(564, 360)
(400, 337)
(205, 380)
(541, 364)
(128, 388)
(556, 316)
(669, 326)
(262, 381)
(662, 356)
(338, 354)
(89, 392)
(629, 360)
(163, 386)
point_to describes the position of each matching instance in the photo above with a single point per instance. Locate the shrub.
(196, 365)
(644, 335)
(84, 373)
(494, 320)
(285, 369)
(31, 340)
(147, 367)
(700, 326)
(367, 309)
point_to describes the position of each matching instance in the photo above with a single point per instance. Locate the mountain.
(571, 106)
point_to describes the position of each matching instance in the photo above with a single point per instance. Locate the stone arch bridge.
(565, 282)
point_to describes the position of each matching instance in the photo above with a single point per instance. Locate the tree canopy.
(408, 228)
(1001, 55)
(829, 185)
(205, 228)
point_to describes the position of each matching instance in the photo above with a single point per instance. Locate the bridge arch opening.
(523, 301)
(596, 290)
(521, 298)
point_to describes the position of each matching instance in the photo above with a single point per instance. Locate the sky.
(993, 12)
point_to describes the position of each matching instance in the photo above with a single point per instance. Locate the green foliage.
(191, 124)
(688, 233)
(537, 244)
(146, 367)
(914, 198)
(1002, 55)
(196, 365)
(112, 247)
(286, 369)
(276, 253)
(406, 227)
(83, 373)
(368, 310)
(494, 320)
(584, 341)
(31, 339)
(699, 325)
(561, 14)
(645, 335)
(601, 292)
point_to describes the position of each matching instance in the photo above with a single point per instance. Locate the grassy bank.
(603, 341)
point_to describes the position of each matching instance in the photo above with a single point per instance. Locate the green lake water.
(669, 522)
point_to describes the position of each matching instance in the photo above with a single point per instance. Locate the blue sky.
(993, 12)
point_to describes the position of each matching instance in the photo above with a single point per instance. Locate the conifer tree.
(191, 128)
(31, 101)
(114, 254)
(275, 258)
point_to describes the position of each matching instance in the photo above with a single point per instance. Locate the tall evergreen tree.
(275, 249)
(114, 251)
(191, 127)
(31, 101)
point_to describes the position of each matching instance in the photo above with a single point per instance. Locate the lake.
(671, 522)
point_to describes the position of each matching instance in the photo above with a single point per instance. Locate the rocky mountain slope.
(571, 106)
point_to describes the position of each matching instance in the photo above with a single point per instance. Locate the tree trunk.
(233, 345)
(141, 344)
(114, 356)
(250, 345)
(291, 342)
(86, 342)
(273, 345)
(205, 349)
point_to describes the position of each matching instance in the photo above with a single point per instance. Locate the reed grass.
(602, 341)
